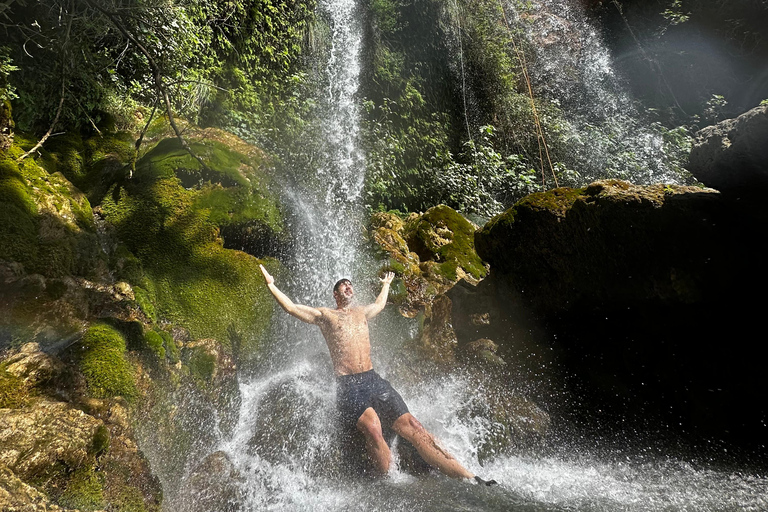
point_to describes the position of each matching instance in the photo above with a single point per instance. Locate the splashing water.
(284, 452)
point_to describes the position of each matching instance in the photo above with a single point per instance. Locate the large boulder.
(608, 242)
(430, 252)
(642, 297)
(732, 156)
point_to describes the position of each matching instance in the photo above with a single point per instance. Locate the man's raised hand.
(267, 277)
(388, 277)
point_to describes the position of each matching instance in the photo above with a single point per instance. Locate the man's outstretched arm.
(371, 310)
(304, 313)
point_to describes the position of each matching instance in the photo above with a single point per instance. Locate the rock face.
(732, 156)
(572, 248)
(434, 256)
(129, 295)
(62, 455)
(644, 294)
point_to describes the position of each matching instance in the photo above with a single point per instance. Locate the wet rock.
(282, 431)
(33, 366)
(430, 252)
(215, 484)
(505, 422)
(732, 156)
(482, 353)
(214, 372)
(602, 243)
(37, 442)
(17, 496)
(640, 297)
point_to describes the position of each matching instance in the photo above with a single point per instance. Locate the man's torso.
(346, 333)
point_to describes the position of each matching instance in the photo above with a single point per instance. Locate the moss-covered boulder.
(169, 218)
(430, 252)
(599, 244)
(77, 452)
(641, 298)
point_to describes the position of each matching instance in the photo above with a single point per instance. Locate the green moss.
(103, 362)
(14, 393)
(444, 233)
(144, 300)
(195, 282)
(45, 223)
(238, 205)
(127, 499)
(65, 153)
(201, 365)
(171, 349)
(168, 159)
(101, 441)
(557, 200)
(84, 490)
(154, 342)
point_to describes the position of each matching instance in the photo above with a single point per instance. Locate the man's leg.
(425, 443)
(378, 450)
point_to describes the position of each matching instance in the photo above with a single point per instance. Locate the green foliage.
(102, 360)
(234, 63)
(7, 91)
(714, 110)
(674, 14)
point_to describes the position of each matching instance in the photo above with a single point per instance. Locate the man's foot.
(485, 482)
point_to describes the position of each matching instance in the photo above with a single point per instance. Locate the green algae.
(154, 342)
(103, 362)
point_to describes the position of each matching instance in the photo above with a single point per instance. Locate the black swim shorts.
(357, 392)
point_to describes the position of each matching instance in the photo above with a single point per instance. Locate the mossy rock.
(430, 252)
(45, 223)
(154, 343)
(14, 392)
(84, 490)
(103, 361)
(89, 163)
(443, 235)
(185, 272)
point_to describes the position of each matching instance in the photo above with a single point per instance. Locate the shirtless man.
(359, 387)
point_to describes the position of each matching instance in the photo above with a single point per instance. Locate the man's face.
(345, 292)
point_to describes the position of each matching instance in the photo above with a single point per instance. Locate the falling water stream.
(284, 451)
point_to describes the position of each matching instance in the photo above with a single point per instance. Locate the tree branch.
(156, 74)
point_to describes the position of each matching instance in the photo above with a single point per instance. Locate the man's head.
(343, 292)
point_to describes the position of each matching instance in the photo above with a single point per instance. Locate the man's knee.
(370, 425)
(407, 426)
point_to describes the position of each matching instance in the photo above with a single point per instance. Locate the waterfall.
(284, 452)
(573, 69)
